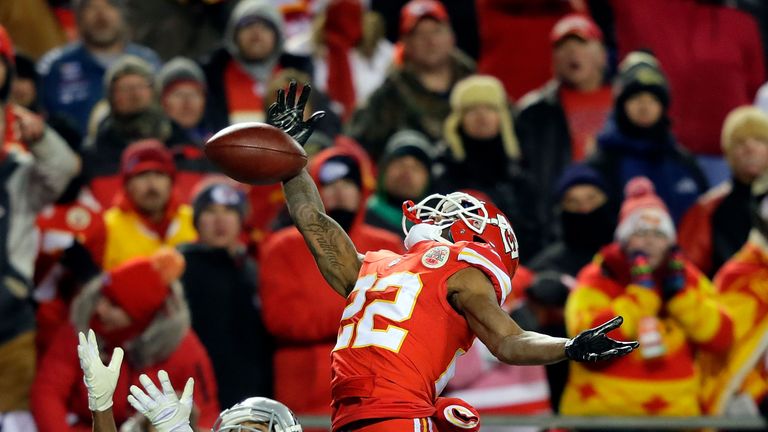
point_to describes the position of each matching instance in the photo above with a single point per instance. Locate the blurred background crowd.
(627, 142)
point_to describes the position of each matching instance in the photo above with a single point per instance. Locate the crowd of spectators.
(626, 141)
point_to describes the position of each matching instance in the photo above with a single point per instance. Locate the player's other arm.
(472, 294)
(336, 256)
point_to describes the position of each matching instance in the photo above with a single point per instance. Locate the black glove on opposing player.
(288, 115)
(593, 345)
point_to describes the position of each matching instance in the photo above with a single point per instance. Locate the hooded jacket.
(292, 283)
(167, 343)
(252, 74)
(673, 171)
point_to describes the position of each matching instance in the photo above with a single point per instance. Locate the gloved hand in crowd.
(165, 410)
(674, 281)
(100, 380)
(78, 260)
(288, 115)
(640, 270)
(593, 345)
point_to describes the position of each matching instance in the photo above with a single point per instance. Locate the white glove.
(99, 379)
(165, 410)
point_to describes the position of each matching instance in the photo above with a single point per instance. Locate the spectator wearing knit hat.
(717, 226)
(238, 73)
(413, 94)
(481, 152)
(183, 93)
(140, 307)
(72, 75)
(133, 114)
(405, 173)
(558, 123)
(182, 89)
(220, 286)
(146, 215)
(740, 378)
(668, 305)
(587, 223)
(637, 140)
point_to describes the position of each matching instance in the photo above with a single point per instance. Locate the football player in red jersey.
(408, 317)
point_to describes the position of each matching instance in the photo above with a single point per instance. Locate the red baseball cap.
(578, 25)
(415, 10)
(146, 155)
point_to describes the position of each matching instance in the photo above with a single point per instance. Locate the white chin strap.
(424, 231)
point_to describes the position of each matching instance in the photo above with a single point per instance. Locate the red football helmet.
(468, 219)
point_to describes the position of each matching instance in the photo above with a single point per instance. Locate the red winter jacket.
(59, 397)
(712, 54)
(302, 311)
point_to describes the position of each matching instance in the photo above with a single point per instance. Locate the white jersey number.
(408, 287)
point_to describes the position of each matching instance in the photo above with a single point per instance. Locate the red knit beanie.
(141, 285)
(643, 210)
(456, 415)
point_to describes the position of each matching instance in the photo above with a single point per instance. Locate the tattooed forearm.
(322, 231)
(331, 247)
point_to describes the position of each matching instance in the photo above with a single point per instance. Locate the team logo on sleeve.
(461, 416)
(436, 257)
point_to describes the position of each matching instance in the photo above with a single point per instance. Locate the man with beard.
(72, 75)
(290, 281)
(146, 215)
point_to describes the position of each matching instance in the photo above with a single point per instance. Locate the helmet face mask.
(468, 219)
(275, 417)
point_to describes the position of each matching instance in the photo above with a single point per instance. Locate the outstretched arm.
(472, 294)
(332, 248)
(336, 257)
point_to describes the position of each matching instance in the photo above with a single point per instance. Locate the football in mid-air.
(256, 153)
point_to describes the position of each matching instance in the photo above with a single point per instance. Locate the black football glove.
(593, 345)
(288, 115)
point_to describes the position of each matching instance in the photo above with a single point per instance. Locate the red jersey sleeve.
(487, 260)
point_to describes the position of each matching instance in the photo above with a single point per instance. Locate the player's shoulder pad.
(483, 257)
(378, 255)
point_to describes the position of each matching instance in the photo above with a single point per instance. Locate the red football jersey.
(399, 337)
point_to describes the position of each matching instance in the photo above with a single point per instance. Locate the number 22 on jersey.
(374, 297)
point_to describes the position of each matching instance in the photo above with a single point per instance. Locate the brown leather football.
(256, 153)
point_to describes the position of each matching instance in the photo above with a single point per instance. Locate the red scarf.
(343, 31)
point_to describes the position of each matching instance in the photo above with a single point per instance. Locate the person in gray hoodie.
(29, 180)
(239, 72)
